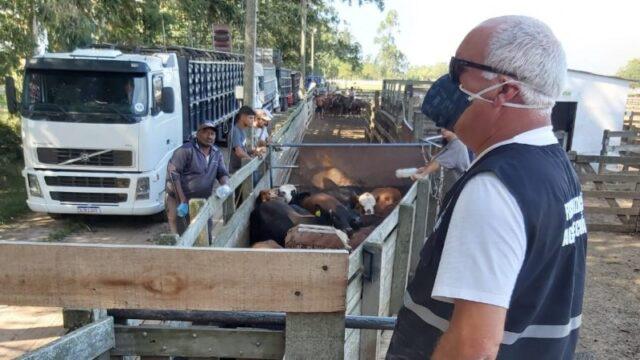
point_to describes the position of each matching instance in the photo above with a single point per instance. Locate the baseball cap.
(206, 124)
(265, 114)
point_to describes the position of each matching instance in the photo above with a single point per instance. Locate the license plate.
(88, 210)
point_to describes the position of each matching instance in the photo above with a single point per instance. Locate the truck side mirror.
(10, 93)
(168, 100)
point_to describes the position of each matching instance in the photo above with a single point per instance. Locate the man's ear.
(507, 94)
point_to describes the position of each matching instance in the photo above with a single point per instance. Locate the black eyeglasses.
(457, 65)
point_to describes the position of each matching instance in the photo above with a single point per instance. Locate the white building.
(590, 104)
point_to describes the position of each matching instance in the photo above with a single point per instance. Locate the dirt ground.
(611, 314)
(84, 229)
(611, 320)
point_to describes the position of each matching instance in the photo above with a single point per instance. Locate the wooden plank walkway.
(26, 328)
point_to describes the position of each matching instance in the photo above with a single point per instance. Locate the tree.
(631, 71)
(391, 61)
(427, 72)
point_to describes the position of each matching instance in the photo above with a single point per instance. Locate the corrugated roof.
(607, 76)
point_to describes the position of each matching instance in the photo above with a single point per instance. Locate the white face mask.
(478, 96)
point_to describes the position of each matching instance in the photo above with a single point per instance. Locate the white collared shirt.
(486, 240)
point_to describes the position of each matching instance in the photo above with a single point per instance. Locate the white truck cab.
(99, 126)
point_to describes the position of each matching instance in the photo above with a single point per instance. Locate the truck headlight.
(142, 188)
(34, 185)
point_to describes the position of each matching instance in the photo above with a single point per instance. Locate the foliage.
(631, 71)
(12, 188)
(77, 23)
(427, 72)
(391, 61)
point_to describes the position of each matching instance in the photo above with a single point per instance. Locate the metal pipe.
(245, 318)
(363, 145)
(270, 157)
(286, 167)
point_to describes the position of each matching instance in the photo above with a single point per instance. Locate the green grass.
(68, 227)
(13, 193)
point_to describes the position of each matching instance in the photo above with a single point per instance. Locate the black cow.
(271, 220)
(340, 216)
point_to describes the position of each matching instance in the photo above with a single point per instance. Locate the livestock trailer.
(323, 305)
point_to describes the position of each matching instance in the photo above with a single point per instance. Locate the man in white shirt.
(261, 128)
(511, 232)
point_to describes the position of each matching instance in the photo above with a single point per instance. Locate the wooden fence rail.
(611, 189)
(243, 177)
(311, 288)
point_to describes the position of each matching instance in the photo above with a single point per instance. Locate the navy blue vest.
(546, 305)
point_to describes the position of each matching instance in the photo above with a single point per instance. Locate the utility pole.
(313, 51)
(251, 8)
(303, 32)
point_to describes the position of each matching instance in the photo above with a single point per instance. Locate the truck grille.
(110, 158)
(86, 181)
(88, 197)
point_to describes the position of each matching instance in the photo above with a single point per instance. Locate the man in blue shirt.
(192, 172)
(239, 148)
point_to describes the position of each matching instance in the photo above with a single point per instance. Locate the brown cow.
(269, 244)
(359, 236)
(386, 199)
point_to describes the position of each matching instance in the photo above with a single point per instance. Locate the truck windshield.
(85, 96)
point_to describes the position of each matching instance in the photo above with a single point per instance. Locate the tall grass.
(13, 193)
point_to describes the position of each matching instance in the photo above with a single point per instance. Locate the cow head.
(367, 202)
(342, 218)
(266, 195)
(287, 192)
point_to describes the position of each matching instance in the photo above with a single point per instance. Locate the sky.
(598, 36)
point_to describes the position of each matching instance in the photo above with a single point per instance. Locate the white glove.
(406, 173)
(223, 191)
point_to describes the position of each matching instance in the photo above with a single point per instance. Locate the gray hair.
(527, 47)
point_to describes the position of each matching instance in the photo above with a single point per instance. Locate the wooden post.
(303, 34)
(401, 257)
(313, 49)
(371, 298)
(73, 319)
(204, 238)
(229, 207)
(89, 342)
(251, 8)
(247, 185)
(604, 150)
(420, 223)
(314, 336)
(433, 204)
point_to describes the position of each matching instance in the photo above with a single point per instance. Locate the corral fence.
(399, 107)
(611, 182)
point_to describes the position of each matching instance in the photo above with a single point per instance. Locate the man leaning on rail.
(192, 172)
(502, 274)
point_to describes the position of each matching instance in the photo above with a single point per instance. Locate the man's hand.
(475, 332)
(182, 210)
(420, 174)
(223, 191)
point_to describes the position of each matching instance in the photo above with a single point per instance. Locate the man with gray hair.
(502, 274)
